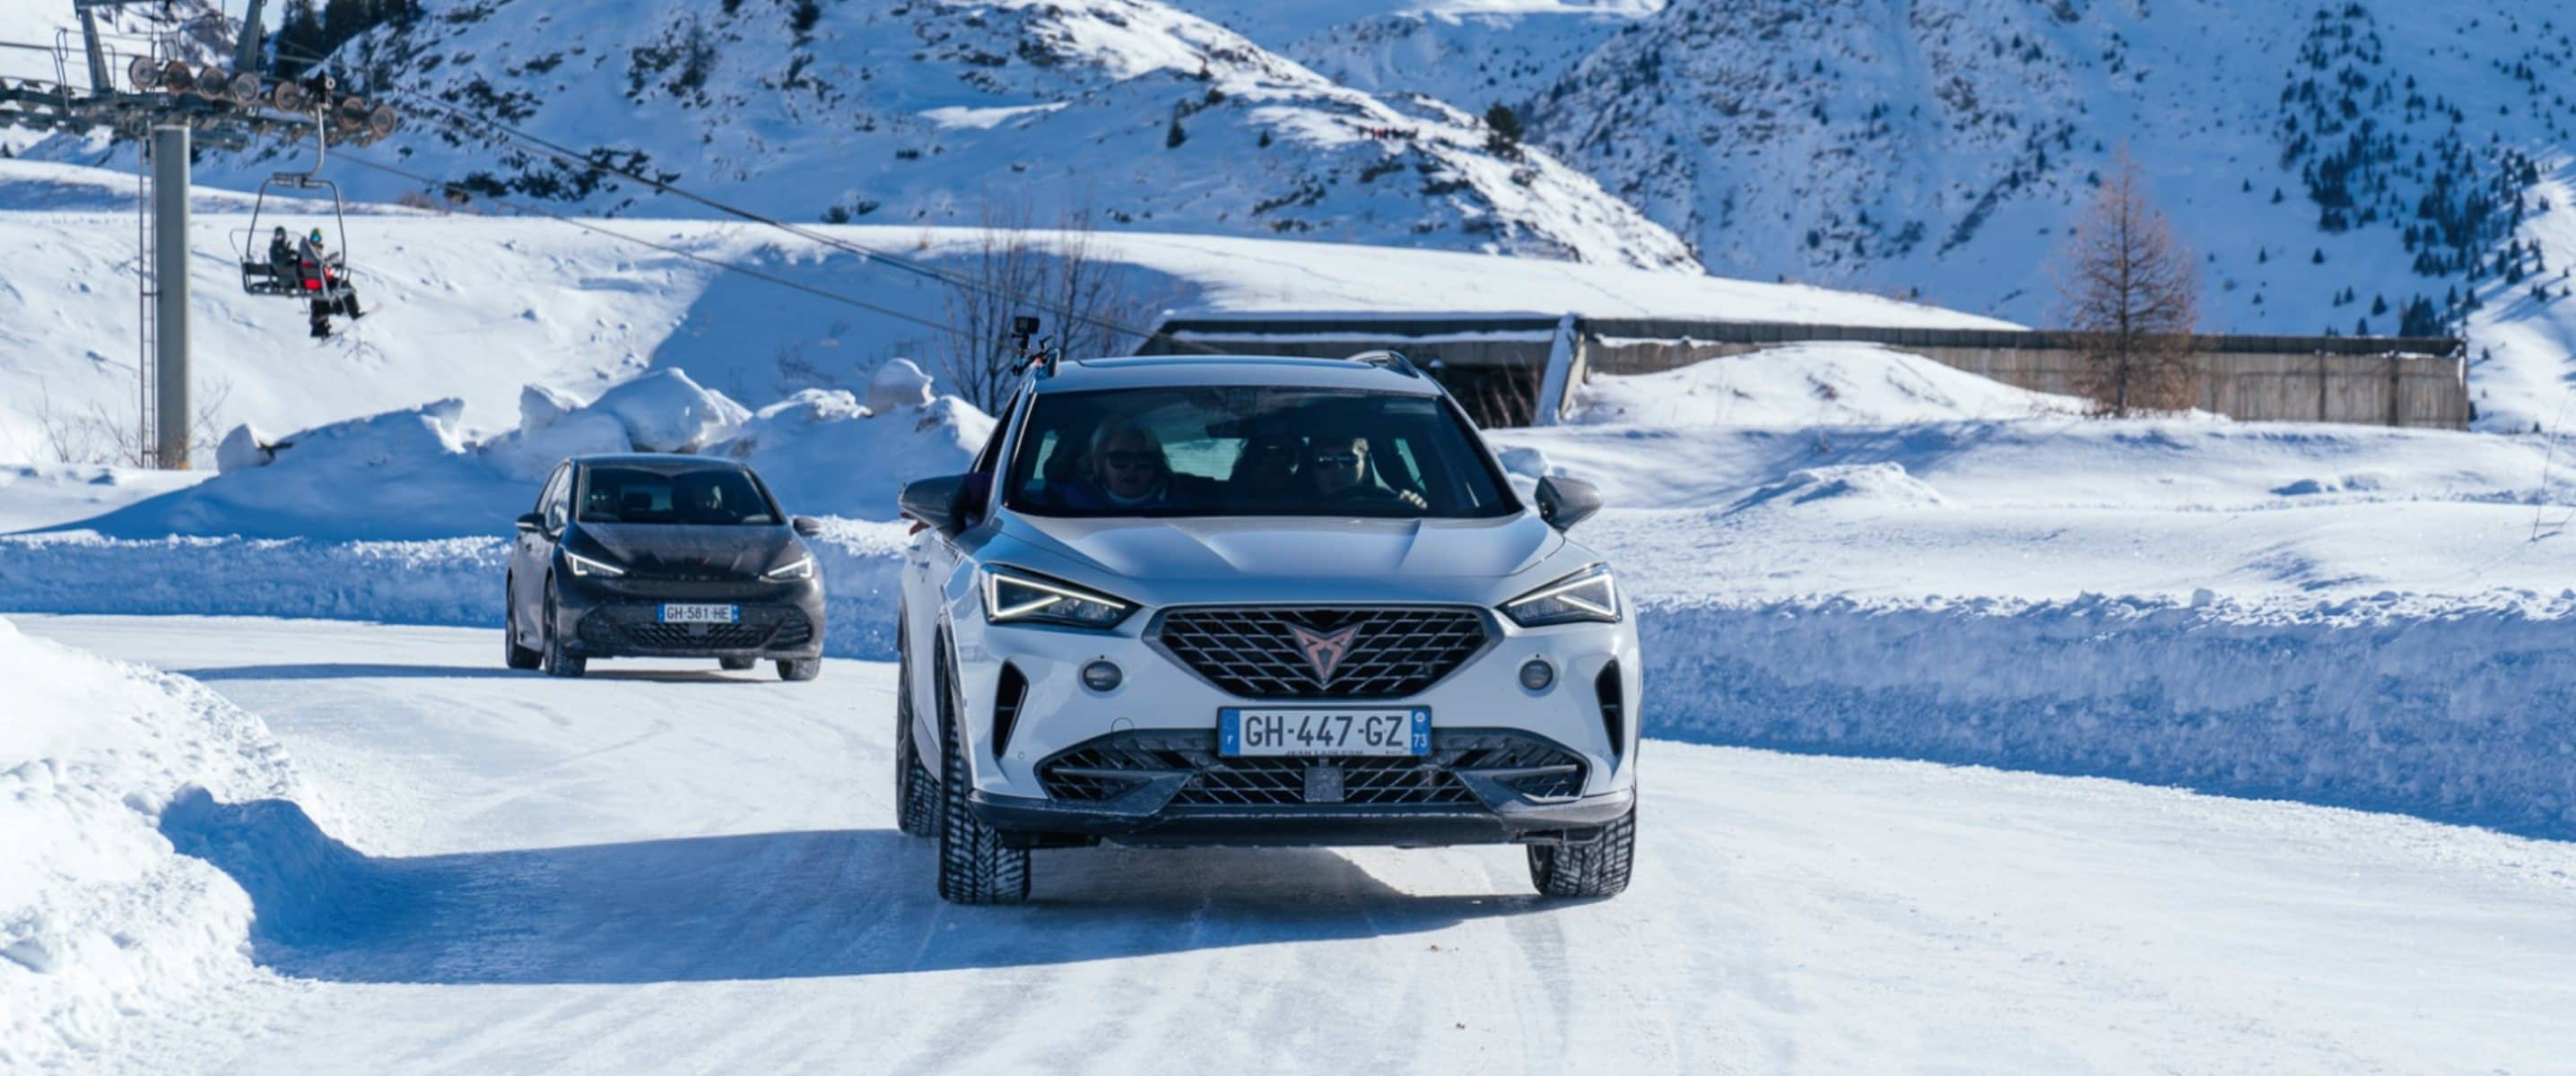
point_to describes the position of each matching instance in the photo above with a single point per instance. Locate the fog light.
(1537, 674)
(1102, 676)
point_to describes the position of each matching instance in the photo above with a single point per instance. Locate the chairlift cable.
(719, 263)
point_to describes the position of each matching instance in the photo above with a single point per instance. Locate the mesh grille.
(1101, 769)
(639, 627)
(1256, 653)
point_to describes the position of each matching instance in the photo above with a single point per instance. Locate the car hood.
(670, 549)
(1281, 548)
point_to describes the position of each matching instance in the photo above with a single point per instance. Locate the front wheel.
(974, 867)
(800, 669)
(512, 654)
(553, 658)
(1595, 868)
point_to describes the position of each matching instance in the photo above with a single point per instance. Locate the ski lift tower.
(168, 107)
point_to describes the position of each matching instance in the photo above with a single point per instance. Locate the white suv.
(1273, 601)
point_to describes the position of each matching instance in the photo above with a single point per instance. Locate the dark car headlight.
(1012, 596)
(1587, 595)
(591, 566)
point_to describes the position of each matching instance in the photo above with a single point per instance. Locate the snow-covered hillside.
(475, 308)
(2334, 164)
(941, 112)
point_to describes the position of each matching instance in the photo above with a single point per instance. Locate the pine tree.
(1503, 131)
(297, 45)
(1173, 135)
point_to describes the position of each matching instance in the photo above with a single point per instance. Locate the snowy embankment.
(104, 771)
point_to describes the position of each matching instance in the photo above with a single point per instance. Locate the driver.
(1126, 468)
(1339, 469)
(701, 502)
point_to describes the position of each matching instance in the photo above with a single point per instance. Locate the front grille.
(1257, 652)
(1110, 766)
(639, 627)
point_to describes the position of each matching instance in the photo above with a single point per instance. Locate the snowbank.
(102, 919)
(2461, 711)
(455, 581)
(414, 475)
(823, 453)
(1808, 384)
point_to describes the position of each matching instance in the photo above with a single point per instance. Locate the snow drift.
(414, 475)
(102, 920)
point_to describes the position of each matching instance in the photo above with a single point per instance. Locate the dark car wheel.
(516, 656)
(736, 664)
(555, 661)
(1595, 868)
(974, 867)
(916, 810)
(800, 668)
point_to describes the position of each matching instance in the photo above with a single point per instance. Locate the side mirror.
(1564, 502)
(805, 526)
(934, 501)
(532, 523)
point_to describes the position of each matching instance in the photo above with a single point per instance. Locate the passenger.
(281, 257)
(325, 282)
(1126, 469)
(1265, 474)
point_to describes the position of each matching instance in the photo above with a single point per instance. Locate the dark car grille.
(1109, 766)
(1257, 652)
(639, 627)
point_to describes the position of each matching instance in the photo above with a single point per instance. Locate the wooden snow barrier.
(1499, 362)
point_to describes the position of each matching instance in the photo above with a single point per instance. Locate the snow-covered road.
(664, 868)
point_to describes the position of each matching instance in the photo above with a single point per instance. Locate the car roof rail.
(1387, 359)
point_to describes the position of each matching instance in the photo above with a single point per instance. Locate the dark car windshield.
(1241, 450)
(697, 495)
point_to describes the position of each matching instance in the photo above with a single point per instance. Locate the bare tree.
(2131, 295)
(99, 436)
(1059, 277)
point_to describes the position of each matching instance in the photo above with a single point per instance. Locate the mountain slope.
(949, 113)
(2335, 166)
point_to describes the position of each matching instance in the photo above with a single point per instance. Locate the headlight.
(1586, 595)
(1012, 596)
(800, 568)
(586, 566)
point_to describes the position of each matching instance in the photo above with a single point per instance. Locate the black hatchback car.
(662, 556)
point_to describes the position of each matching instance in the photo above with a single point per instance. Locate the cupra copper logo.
(1324, 651)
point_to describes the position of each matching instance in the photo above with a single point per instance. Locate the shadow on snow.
(759, 906)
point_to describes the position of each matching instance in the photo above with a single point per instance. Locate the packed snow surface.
(1814, 384)
(666, 867)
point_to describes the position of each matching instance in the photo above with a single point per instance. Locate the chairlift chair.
(261, 277)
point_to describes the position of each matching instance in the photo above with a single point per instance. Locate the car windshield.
(1244, 451)
(696, 495)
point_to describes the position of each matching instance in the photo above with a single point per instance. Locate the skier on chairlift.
(326, 281)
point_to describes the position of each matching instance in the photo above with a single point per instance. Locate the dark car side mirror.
(805, 526)
(1564, 502)
(532, 523)
(935, 501)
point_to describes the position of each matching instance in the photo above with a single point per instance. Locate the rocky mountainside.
(938, 112)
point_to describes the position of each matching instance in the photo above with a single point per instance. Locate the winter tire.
(518, 657)
(800, 669)
(916, 812)
(974, 867)
(1595, 868)
(736, 664)
(553, 659)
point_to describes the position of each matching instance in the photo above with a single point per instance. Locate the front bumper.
(619, 618)
(1030, 821)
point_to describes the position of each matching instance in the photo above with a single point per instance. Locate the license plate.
(1359, 731)
(700, 614)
